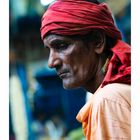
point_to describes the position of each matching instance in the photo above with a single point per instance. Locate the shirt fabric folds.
(107, 115)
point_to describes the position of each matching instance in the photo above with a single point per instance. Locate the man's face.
(75, 63)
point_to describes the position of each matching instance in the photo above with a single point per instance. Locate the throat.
(92, 86)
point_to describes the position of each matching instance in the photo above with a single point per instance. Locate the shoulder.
(115, 93)
(112, 102)
(111, 111)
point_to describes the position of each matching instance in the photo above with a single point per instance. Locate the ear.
(98, 41)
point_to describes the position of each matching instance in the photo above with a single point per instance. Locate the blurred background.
(40, 109)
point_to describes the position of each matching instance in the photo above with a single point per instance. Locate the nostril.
(54, 62)
(57, 62)
(50, 65)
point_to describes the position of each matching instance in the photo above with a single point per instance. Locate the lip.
(63, 74)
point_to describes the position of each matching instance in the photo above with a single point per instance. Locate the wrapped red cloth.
(78, 17)
(119, 66)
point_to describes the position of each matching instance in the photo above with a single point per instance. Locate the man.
(87, 51)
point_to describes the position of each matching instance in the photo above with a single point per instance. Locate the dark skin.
(77, 63)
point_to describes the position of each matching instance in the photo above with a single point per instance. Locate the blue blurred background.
(40, 109)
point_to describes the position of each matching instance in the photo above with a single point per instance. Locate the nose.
(54, 59)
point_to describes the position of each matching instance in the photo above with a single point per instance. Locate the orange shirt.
(107, 115)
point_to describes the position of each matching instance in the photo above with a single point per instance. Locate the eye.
(60, 46)
(63, 46)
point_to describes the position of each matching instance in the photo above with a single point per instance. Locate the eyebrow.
(53, 42)
(56, 41)
(50, 42)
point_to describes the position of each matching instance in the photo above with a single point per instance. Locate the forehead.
(52, 37)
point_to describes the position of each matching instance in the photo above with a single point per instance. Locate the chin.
(70, 85)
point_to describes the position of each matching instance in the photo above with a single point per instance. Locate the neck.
(93, 84)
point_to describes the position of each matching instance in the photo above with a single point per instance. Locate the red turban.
(78, 17)
(119, 66)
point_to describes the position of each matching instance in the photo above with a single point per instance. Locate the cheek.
(84, 69)
(79, 67)
(77, 60)
(77, 75)
(78, 63)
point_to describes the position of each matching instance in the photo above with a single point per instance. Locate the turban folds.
(78, 17)
(119, 66)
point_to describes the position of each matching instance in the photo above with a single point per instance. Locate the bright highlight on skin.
(46, 2)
